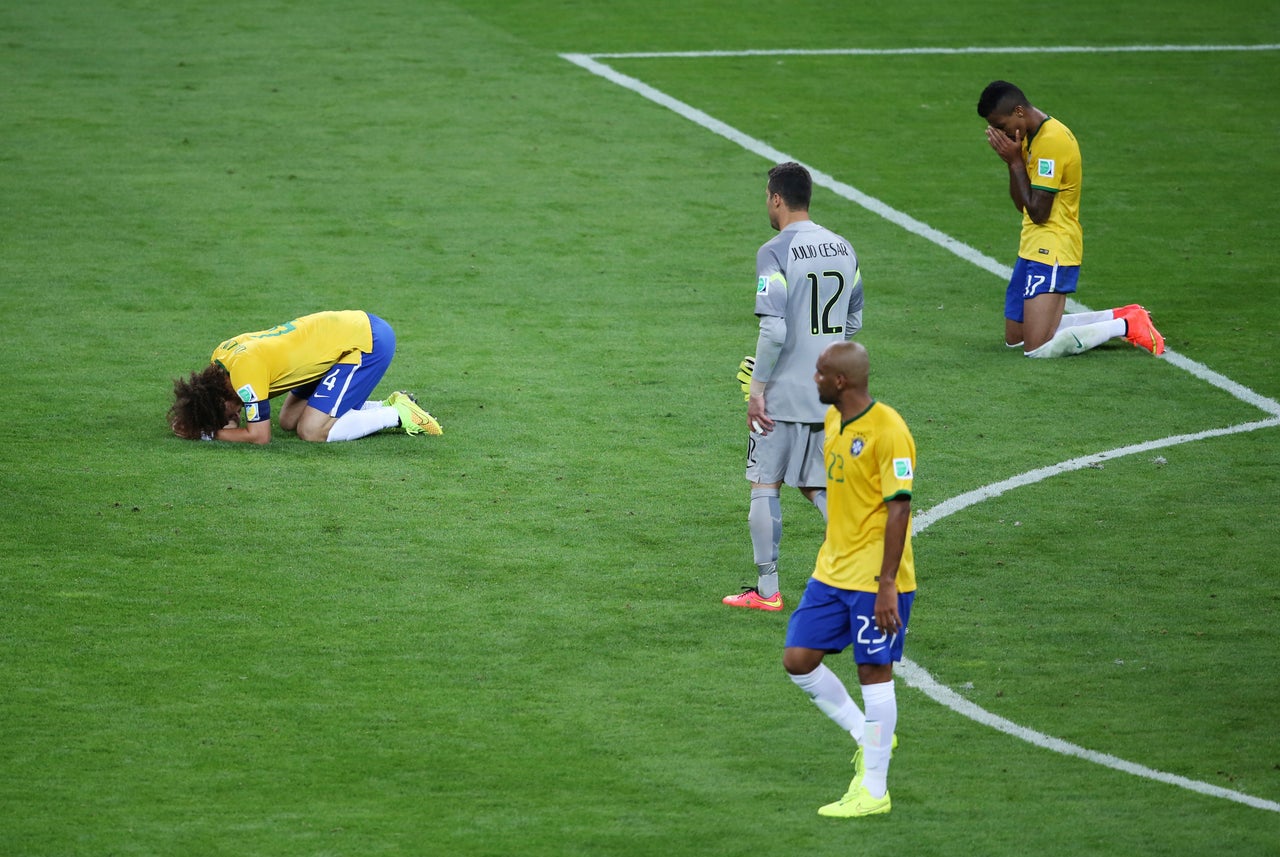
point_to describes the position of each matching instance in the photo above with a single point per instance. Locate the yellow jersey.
(266, 363)
(1053, 163)
(871, 459)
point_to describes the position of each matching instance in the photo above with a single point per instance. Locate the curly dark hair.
(200, 402)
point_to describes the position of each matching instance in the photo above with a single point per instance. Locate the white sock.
(1080, 338)
(820, 500)
(877, 737)
(832, 698)
(361, 423)
(1076, 319)
(373, 406)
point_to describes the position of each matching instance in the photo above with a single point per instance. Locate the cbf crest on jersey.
(855, 448)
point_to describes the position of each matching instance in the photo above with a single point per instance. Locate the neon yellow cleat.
(856, 804)
(413, 419)
(860, 768)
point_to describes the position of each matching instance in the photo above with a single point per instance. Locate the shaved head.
(841, 375)
(849, 360)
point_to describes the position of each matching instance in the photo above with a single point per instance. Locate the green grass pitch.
(508, 640)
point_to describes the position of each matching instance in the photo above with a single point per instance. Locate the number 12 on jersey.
(820, 314)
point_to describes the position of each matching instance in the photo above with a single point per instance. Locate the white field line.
(881, 209)
(917, 677)
(897, 52)
(913, 674)
(989, 492)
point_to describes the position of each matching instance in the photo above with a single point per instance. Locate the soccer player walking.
(808, 295)
(864, 583)
(1045, 174)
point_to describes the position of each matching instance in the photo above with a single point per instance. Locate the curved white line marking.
(995, 489)
(914, 675)
(917, 677)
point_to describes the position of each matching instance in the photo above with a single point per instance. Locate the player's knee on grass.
(291, 412)
(314, 425)
(312, 434)
(1040, 317)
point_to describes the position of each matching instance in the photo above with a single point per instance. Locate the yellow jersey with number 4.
(266, 363)
(1053, 163)
(871, 459)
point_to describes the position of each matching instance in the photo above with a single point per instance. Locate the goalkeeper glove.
(745, 368)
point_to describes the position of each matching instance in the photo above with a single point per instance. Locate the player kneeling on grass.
(326, 363)
(863, 584)
(1045, 176)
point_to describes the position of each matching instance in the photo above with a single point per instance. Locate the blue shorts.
(831, 620)
(1036, 278)
(347, 386)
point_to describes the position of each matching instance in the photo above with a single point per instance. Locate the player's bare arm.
(895, 537)
(1039, 204)
(259, 433)
(773, 335)
(1036, 203)
(757, 420)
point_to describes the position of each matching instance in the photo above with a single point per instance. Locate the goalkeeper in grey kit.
(808, 295)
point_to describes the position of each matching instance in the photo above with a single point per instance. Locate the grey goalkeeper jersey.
(808, 276)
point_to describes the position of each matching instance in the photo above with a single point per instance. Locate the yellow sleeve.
(1049, 159)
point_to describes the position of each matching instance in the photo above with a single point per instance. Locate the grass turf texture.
(508, 640)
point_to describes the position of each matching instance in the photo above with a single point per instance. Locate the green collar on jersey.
(845, 423)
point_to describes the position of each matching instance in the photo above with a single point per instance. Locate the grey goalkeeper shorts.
(790, 454)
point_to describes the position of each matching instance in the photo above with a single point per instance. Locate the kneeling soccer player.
(327, 363)
(1045, 177)
(863, 583)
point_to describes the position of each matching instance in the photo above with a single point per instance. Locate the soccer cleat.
(859, 762)
(856, 804)
(413, 419)
(752, 598)
(1139, 330)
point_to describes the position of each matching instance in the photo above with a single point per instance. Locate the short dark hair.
(793, 183)
(1000, 97)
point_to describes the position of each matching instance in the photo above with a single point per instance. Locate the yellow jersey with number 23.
(871, 459)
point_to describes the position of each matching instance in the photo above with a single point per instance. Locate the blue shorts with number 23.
(831, 619)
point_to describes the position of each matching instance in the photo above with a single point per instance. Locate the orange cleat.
(1140, 331)
(752, 598)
